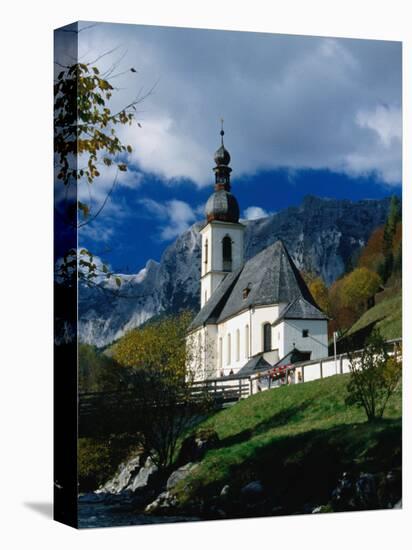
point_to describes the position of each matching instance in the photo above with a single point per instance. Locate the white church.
(254, 314)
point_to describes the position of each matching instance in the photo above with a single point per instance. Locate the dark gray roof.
(211, 310)
(255, 364)
(272, 278)
(301, 309)
(294, 356)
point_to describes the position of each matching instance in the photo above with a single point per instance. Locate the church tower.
(222, 236)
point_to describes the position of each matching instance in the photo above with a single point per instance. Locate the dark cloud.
(288, 101)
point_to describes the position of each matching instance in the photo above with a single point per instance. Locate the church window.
(246, 291)
(237, 345)
(227, 253)
(206, 252)
(267, 337)
(229, 351)
(305, 333)
(247, 341)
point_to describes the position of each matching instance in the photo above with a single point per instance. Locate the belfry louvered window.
(267, 337)
(227, 253)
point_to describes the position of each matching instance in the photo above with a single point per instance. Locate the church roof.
(268, 278)
(301, 309)
(210, 312)
(255, 364)
(222, 206)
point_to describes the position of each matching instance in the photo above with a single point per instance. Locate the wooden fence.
(222, 391)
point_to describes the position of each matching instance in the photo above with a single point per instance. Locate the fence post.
(303, 373)
(250, 385)
(341, 364)
(240, 388)
(321, 368)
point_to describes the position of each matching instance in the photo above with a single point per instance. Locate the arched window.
(206, 254)
(220, 353)
(227, 253)
(247, 341)
(237, 345)
(229, 350)
(267, 337)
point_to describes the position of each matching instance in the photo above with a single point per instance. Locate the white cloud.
(174, 216)
(385, 121)
(255, 212)
(288, 101)
(96, 231)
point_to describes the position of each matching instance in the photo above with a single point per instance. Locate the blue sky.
(303, 115)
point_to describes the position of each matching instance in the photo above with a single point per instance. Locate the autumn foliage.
(158, 355)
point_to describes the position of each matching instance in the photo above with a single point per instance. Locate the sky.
(302, 116)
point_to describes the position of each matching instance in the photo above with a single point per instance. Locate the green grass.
(387, 315)
(297, 440)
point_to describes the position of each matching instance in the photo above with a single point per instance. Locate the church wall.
(316, 341)
(210, 352)
(254, 319)
(260, 316)
(212, 269)
(195, 355)
(214, 233)
(230, 327)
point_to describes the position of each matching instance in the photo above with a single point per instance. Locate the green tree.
(394, 217)
(374, 376)
(98, 371)
(165, 366)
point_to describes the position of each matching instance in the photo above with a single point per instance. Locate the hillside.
(385, 315)
(297, 441)
(322, 235)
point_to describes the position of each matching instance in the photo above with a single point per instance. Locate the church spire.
(222, 205)
(222, 169)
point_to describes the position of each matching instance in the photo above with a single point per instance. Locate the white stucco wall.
(286, 335)
(202, 352)
(212, 271)
(316, 341)
(255, 319)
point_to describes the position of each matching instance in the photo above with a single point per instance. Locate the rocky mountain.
(322, 235)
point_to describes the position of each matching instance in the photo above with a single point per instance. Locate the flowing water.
(94, 513)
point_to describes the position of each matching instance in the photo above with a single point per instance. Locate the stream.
(94, 513)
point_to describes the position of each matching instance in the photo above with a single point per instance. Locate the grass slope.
(297, 440)
(387, 315)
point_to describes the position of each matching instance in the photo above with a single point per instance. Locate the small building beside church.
(254, 314)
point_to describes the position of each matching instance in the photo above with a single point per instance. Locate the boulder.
(224, 493)
(144, 477)
(163, 502)
(253, 492)
(125, 472)
(178, 475)
(195, 446)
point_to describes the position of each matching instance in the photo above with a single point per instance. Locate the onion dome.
(222, 205)
(222, 156)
